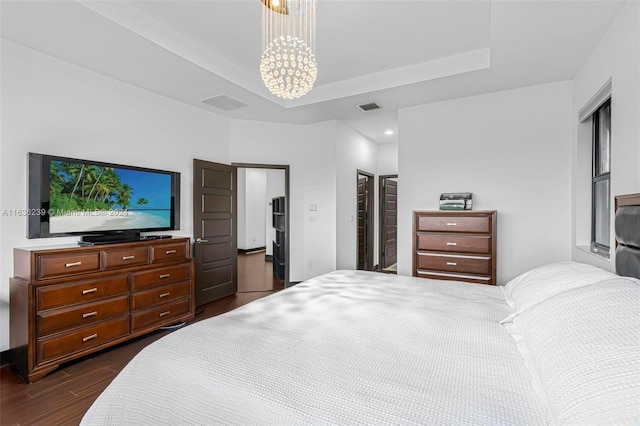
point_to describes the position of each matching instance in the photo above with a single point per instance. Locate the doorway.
(365, 185)
(215, 229)
(388, 190)
(258, 186)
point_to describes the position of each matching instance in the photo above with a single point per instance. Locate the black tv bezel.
(38, 196)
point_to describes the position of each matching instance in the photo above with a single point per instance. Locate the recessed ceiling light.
(388, 132)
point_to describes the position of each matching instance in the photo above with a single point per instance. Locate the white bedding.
(344, 348)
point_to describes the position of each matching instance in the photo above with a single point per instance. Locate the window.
(601, 180)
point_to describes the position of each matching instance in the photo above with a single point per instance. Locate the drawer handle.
(452, 224)
(165, 295)
(128, 257)
(165, 276)
(169, 252)
(164, 314)
(452, 244)
(452, 264)
(86, 339)
(90, 314)
(91, 290)
(72, 264)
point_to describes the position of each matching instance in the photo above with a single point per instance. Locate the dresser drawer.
(58, 295)
(123, 257)
(61, 265)
(164, 252)
(159, 314)
(478, 279)
(160, 276)
(480, 224)
(75, 341)
(454, 243)
(480, 265)
(57, 320)
(166, 293)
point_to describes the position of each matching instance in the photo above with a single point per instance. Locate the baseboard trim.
(253, 250)
(5, 358)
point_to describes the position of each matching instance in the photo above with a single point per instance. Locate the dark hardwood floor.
(62, 397)
(256, 274)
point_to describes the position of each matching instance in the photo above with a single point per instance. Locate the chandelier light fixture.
(288, 66)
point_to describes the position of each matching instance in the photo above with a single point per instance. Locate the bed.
(559, 344)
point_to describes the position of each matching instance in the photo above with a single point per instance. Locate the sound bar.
(120, 237)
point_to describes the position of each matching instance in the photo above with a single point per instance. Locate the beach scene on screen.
(90, 198)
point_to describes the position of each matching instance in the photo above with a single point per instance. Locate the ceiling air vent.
(224, 102)
(369, 107)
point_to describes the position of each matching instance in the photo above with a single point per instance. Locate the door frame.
(285, 167)
(370, 223)
(381, 218)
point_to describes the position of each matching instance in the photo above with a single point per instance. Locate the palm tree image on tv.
(93, 198)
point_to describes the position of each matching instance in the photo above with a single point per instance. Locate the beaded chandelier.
(288, 66)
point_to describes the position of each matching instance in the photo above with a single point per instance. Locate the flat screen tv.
(69, 197)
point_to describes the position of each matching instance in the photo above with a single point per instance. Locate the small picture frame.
(456, 201)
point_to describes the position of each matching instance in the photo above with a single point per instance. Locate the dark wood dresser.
(67, 302)
(455, 245)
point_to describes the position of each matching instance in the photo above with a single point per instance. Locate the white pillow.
(585, 346)
(546, 281)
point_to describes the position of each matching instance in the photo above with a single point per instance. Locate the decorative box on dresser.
(70, 301)
(455, 245)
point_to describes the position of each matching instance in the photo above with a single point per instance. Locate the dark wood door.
(215, 230)
(365, 221)
(389, 221)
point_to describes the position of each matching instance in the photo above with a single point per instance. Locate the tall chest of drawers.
(455, 245)
(67, 302)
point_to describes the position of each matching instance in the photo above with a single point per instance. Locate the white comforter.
(343, 348)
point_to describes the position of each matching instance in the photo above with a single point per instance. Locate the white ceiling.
(395, 53)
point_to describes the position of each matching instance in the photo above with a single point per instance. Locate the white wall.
(309, 151)
(353, 151)
(388, 159)
(251, 202)
(512, 150)
(256, 200)
(616, 57)
(275, 188)
(52, 107)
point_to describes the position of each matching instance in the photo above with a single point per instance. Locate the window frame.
(600, 247)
